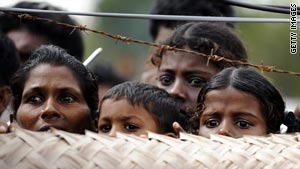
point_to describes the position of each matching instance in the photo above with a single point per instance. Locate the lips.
(48, 128)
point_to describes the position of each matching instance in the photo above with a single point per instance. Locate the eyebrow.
(211, 114)
(234, 114)
(32, 90)
(65, 89)
(106, 119)
(197, 72)
(166, 70)
(187, 72)
(244, 114)
(122, 119)
(41, 90)
(69, 89)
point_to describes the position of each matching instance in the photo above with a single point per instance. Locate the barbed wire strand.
(151, 16)
(263, 68)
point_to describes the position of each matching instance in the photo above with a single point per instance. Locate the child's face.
(183, 75)
(121, 116)
(232, 113)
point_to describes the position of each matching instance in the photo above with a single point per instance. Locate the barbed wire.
(151, 16)
(262, 67)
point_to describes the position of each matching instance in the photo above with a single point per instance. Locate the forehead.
(232, 100)
(120, 108)
(50, 75)
(182, 61)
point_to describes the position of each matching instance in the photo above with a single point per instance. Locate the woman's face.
(233, 113)
(52, 97)
(120, 116)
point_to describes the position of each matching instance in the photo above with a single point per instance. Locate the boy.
(136, 108)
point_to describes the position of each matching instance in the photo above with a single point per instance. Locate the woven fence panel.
(58, 149)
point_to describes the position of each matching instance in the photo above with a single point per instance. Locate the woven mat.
(58, 149)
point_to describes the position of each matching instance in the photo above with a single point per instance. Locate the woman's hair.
(56, 56)
(9, 59)
(185, 7)
(207, 38)
(249, 81)
(162, 107)
(68, 38)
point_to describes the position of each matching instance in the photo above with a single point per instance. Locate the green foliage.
(269, 44)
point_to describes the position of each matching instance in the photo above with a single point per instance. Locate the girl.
(240, 101)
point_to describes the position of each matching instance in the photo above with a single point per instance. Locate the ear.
(171, 135)
(5, 96)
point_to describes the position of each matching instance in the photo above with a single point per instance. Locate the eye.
(197, 81)
(166, 80)
(105, 128)
(212, 123)
(35, 99)
(131, 127)
(243, 124)
(67, 98)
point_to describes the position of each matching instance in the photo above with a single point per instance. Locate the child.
(136, 108)
(240, 101)
(183, 74)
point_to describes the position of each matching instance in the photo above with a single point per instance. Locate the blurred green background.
(267, 43)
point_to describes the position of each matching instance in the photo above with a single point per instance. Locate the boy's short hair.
(163, 108)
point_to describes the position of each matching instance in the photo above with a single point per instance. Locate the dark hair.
(106, 75)
(9, 59)
(53, 55)
(249, 81)
(163, 108)
(204, 37)
(68, 38)
(185, 7)
(292, 122)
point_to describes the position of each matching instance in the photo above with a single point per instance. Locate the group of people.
(44, 84)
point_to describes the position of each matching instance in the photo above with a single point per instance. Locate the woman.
(54, 89)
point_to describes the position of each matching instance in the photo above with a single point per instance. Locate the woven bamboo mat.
(58, 149)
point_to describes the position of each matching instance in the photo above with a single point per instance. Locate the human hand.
(177, 127)
(7, 127)
(3, 127)
(297, 111)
